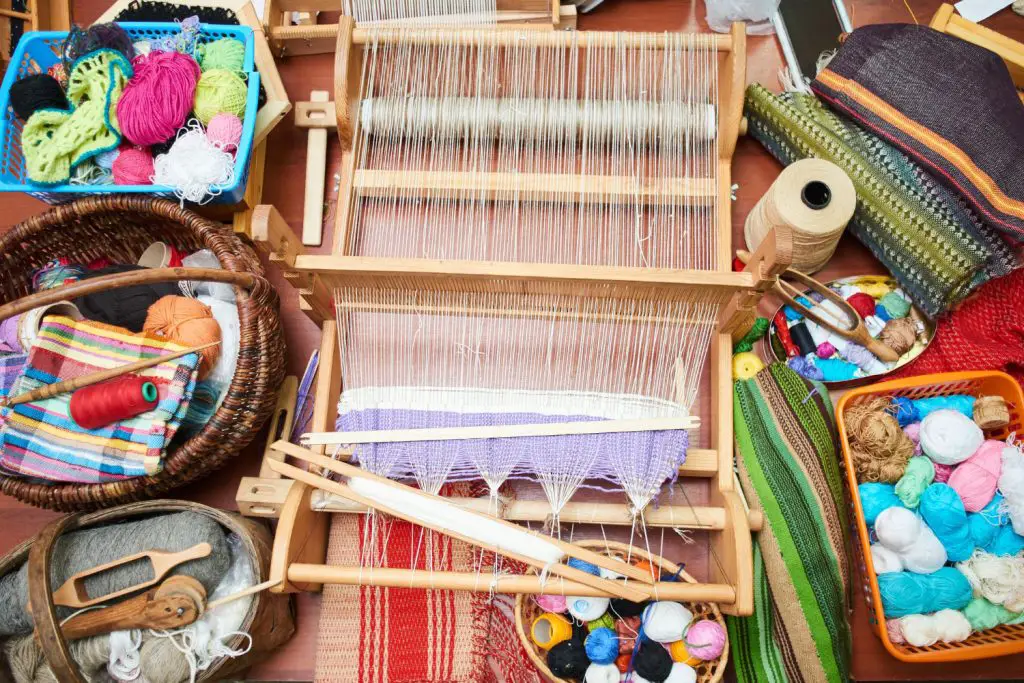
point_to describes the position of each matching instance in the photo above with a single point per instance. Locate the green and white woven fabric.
(932, 242)
(789, 468)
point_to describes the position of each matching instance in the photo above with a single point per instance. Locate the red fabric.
(985, 333)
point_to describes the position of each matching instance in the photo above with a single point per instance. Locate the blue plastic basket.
(39, 50)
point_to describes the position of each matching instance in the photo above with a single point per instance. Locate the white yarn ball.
(665, 622)
(926, 555)
(682, 673)
(609, 574)
(885, 561)
(949, 437)
(601, 673)
(897, 528)
(194, 167)
(924, 630)
(587, 609)
(1000, 580)
(1011, 485)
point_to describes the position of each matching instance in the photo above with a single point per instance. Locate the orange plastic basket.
(1003, 640)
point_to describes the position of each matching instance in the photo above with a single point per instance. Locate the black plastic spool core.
(816, 195)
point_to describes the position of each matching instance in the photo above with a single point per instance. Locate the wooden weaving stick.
(177, 602)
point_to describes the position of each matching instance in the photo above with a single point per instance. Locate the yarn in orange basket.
(188, 322)
(879, 448)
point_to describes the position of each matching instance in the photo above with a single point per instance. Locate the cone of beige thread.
(815, 199)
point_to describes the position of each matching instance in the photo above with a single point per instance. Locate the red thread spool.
(782, 330)
(112, 401)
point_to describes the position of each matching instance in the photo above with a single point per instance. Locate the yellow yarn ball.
(745, 365)
(681, 654)
(220, 91)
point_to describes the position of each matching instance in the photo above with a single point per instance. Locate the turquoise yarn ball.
(943, 511)
(895, 305)
(958, 402)
(906, 593)
(1006, 542)
(875, 497)
(836, 370)
(602, 646)
(985, 523)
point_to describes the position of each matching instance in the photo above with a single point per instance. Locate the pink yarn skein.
(942, 473)
(225, 131)
(133, 167)
(977, 478)
(159, 96)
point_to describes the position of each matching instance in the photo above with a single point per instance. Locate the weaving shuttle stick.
(858, 333)
(72, 592)
(177, 602)
(76, 383)
(349, 471)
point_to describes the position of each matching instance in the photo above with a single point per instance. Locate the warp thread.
(944, 513)
(906, 593)
(977, 478)
(949, 437)
(219, 92)
(879, 448)
(35, 92)
(1000, 580)
(899, 335)
(158, 98)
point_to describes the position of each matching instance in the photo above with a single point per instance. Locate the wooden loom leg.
(301, 537)
(316, 169)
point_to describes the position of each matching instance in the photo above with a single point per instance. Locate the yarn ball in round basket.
(666, 622)
(653, 662)
(682, 673)
(225, 131)
(188, 322)
(706, 639)
(627, 608)
(602, 673)
(569, 660)
(35, 92)
(158, 98)
(219, 91)
(879, 448)
(552, 603)
(587, 609)
(899, 335)
(977, 478)
(601, 646)
(863, 303)
(125, 306)
(80, 42)
(223, 53)
(949, 437)
(133, 166)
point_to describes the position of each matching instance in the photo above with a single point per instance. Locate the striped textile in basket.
(39, 439)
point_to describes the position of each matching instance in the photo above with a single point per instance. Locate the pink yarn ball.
(133, 167)
(159, 96)
(225, 131)
(895, 631)
(913, 432)
(942, 473)
(826, 350)
(976, 478)
(705, 640)
(552, 603)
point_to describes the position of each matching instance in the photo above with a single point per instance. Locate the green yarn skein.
(219, 91)
(755, 333)
(916, 478)
(226, 53)
(983, 615)
(895, 305)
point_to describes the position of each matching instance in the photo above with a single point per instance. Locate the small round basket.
(120, 228)
(527, 610)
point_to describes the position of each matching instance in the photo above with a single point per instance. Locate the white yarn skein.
(1011, 485)
(885, 561)
(924, 630)
(682, 673)
(874, 325)
(194, 167)
(587, 609)
(125, 662)
(601, 673)
(949, 437)
(918, 548)
(609, 574)
(1000, 580)
(665, 622)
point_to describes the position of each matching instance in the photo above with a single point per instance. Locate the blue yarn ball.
(1007, 542)
(875, 497)
(584, 566)
(906, 593)
(792, 314)
(943, 511)
(836, 370)
(958, 402)
(906, 411)
(882, 314)
(985, 523)
(805, 368)
(602, 646)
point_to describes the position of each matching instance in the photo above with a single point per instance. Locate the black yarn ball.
(81, 42)
(627, 608)
(569, 660)
(35, 92)
(125, 306)
(653, 662)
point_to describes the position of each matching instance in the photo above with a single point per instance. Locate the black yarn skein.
(35, 92)
(569, 660)
(653, 662)
(627, 608)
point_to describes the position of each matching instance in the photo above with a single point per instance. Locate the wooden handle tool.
(177, 602)
(73, 593)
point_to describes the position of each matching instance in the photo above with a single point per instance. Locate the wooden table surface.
(753, 171)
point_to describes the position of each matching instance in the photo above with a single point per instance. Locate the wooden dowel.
(76, 383)
(15, 15)
(242, 593)
(483, 582)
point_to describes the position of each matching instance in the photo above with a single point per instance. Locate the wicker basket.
(1002, 640)
(120, 228)
(270, 621)
(527, 610)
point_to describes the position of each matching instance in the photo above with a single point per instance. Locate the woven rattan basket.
(119, 228)
(527, 610)
(269, 622)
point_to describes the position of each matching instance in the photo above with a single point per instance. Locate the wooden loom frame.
(948, 21)
(301, 540)
(38, 15)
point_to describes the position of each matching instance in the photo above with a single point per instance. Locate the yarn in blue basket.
(943, 511)
(602, 646)
(875, 497)
(906, 593)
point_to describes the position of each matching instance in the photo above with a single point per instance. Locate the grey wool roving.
(80, 550)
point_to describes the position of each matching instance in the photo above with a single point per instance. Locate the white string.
(200, 660)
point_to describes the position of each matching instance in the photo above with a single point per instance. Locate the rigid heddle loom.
(530, 280)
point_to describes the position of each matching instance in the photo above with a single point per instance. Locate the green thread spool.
(220, 91)
(227, 54)
(756, 332)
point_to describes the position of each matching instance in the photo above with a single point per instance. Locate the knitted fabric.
(949, 104)
(934, 245)
(55, 141)
(986, 332)
(788, 467)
